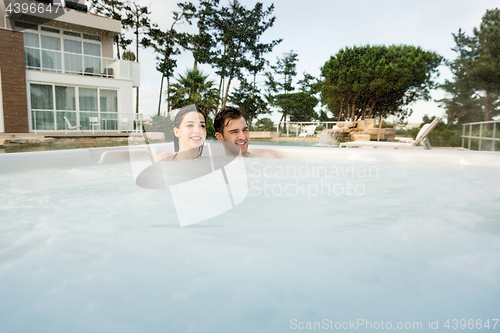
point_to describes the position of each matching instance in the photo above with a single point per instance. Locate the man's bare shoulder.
(263, 154)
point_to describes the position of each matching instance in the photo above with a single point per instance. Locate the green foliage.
(137, 19)
(161, 124)
(369, 81)
(210, 128)
(129, 55)
(248, 99)
(474, 93)
(264, 124)
(194, 88)
(113, 9)
(300, 105)
(286, 68)
(168, 43)
(236, 45)
(443, 135)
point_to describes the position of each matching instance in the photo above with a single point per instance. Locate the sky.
(318, 29)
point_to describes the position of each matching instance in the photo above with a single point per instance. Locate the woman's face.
(192, 131)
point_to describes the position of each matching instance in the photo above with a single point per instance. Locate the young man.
(232, 130)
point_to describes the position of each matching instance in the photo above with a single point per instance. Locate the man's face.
(235, 136)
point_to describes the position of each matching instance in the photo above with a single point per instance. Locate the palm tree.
(194, 88)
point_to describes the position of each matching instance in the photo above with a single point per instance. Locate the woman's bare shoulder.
(167, 156)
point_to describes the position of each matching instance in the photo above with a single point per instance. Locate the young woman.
(190, 133)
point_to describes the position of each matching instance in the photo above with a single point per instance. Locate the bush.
(210, 128)
(161, 124)
(264, 124)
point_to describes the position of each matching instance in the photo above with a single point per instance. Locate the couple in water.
(190, 132)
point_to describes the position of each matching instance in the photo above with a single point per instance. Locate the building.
(57, 72)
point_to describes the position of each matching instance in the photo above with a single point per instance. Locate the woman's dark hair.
(178, 120)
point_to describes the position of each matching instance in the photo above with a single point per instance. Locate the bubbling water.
(85, 249)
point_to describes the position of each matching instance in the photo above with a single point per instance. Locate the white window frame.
(77, 104)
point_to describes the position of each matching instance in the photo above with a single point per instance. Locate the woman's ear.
(176, 131)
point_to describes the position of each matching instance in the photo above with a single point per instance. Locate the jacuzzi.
(324, 239)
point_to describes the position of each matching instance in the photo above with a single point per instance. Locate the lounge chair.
(310, 131)
(68, 124)
(420, 142)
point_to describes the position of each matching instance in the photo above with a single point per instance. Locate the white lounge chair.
(420, 142)
(310, 131)
(68, 125)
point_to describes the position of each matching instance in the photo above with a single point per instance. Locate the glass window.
(72, 46)
(88, 99)
(92, 49)
(31, 40)
(32, 57)
(73, 63)
(26, 25)
(56, 31)
(71, 33)
(109, 100)
(62, 124)
(51, 60)
(41, 97)
(51, 43)
(65, 98)
(43, 120)
(91, 37)
(92, 65)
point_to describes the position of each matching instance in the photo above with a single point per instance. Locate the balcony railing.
(483, 135)
(83, 121)
(69, 63)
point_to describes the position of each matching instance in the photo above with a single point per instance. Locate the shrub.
(264, 124)
(161, 124)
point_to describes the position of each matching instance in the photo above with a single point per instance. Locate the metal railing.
(486, 131)
(68, 63)
(297, 127)
(83, 121)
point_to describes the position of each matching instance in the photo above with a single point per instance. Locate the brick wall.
(13, 85)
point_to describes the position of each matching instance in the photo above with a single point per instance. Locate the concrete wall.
(70, 20)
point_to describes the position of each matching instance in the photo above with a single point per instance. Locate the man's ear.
(219, 137)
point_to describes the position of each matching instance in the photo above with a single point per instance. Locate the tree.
(202, 43)
(476, 73)
(194, 88)
(237, 33)
(265, 124)
(285, 70)
(129, 55)
(299, 105)
(113, 9)
(486, 69)
(138, 20)
(257, 61)
(369, 81)
(248, 99)
(167, 44)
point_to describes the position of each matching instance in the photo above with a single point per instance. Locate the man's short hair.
(224, 116)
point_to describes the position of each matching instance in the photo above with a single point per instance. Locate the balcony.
(77, 64)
